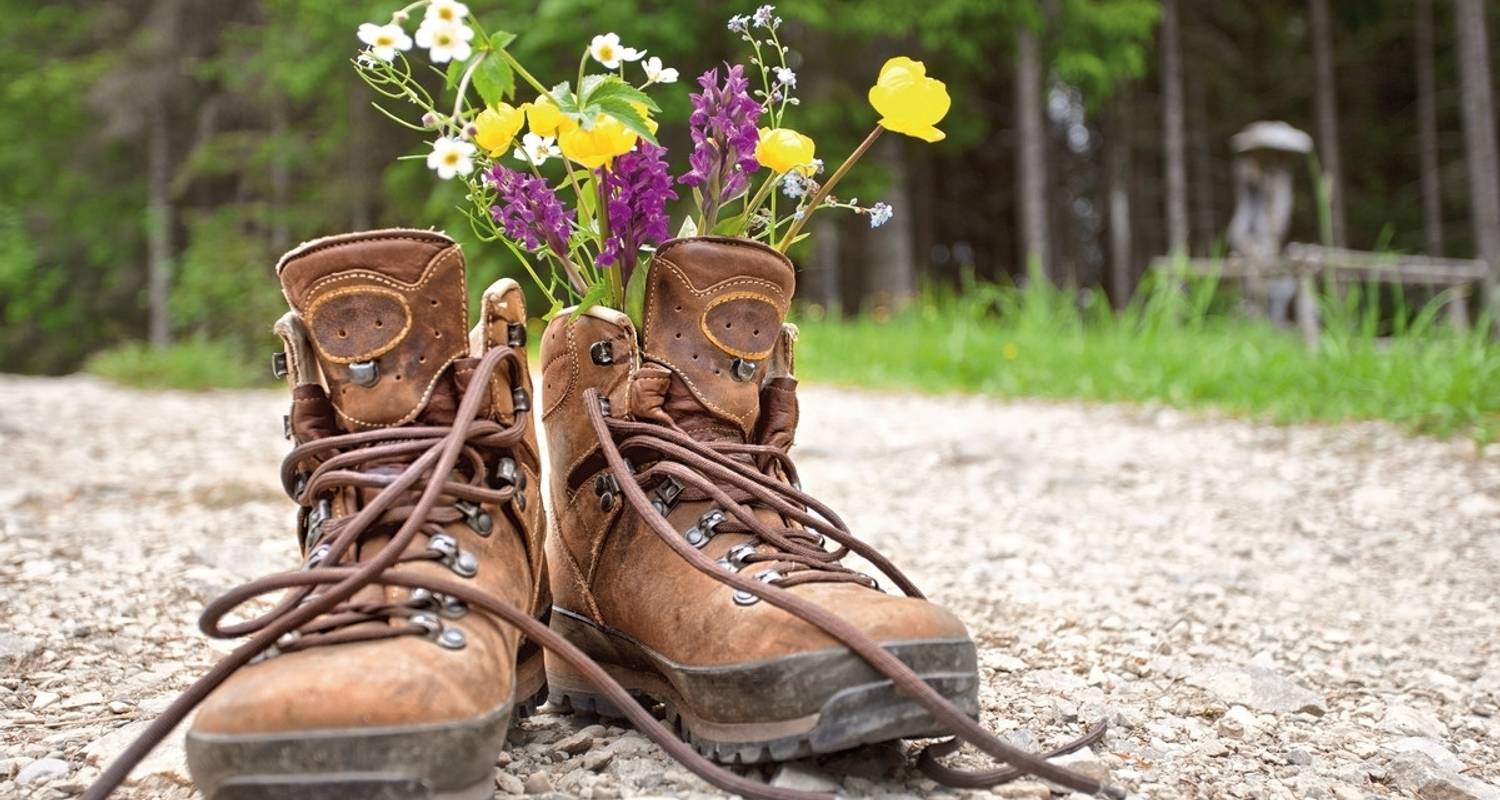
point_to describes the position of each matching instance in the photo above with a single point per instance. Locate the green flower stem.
(817, 199)
(463, 89)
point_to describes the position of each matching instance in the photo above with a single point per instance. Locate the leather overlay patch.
(358, 323)
(742, 324)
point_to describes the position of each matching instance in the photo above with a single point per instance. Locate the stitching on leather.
(651, 316)
(428, 273)
(343, 291)
(553, 405)
(385, 235)
(732, 296)
(577, 575)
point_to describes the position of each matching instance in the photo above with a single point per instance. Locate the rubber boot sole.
(445, 761)
(773, 710)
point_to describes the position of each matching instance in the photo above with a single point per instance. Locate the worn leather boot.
(701, 416)
(415, 466)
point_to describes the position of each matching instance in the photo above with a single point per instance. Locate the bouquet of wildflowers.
(580, 198)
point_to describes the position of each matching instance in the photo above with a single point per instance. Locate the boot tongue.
(386, 313)
(713, 312)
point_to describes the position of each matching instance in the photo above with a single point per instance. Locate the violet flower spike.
(530, 213)
(724, 135)
(638, 187)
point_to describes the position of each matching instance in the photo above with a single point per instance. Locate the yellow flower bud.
(599, 145)
(496, 127)
(546, 119)
(783, 150)
(909, 102)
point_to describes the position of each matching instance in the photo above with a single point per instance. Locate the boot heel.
(571, 691)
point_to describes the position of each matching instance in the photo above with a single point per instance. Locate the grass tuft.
(197, 363)
(1177, 347)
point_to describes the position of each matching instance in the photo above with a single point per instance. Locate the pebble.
(797, 775)
(1238, 723)
(538, 783)
(83, 699)
(1259, 688)
(578, 742)
(1411, 722)
(1420, 776)
(42, 769)
(1431, 748)
(43, 700)
(15, 649)
(509, 784)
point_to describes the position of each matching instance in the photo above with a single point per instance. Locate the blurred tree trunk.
(893, 277)
(1479, 134)
(820, 282)
(361, 172)
(1031, 153)
(281, 178)
(1117, 145)
(1325, 100)
(1173, 138)
(159, 226)
(1432, 187)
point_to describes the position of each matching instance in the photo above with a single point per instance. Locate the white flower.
(794, 184)
(445, 41)
(607, 50)
(537, 149)
(740, 23)
(447, 11)
(656, 73)
(786, 77)
(880, 214)
(765, 17)
(384, 40)
(451, 157)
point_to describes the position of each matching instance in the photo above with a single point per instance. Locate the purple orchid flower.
(724, 138)
(638, 188)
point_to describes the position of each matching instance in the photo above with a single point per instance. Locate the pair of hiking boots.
(683, 565)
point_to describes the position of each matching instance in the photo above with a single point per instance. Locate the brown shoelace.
(733, 473)
(317, 606)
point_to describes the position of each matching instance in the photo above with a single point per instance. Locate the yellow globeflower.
(496, 127)
(546, 119)
(598, 146)
(783, 150)
(909, 102)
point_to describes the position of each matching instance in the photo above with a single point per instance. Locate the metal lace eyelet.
(452, 607)
(604, 406)
(701, 533)
(667, 493)
(734, 559)
(316, 557)
(452, 639)
(364, 373)
(443, 545)
(320, 513)
(515, 334)
(429, 623)
(520, 400)
(475, 517)
(606, 487)
(602, 353)
(278, 365)
(465, 564)
(744, 598)
(742, 370)
(521, 499)
(420, 598)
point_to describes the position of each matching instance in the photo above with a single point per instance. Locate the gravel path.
(1304, 612)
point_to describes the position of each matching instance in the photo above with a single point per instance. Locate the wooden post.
(1307, 302)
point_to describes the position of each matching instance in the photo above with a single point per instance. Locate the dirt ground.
(1260, 611)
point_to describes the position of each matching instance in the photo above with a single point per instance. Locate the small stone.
(1420, 776)
(44, 699)
(15, 649)
(1409, 721)
(1259, 688)
(1298, 757)
(1238, 723)
(1431, 748)
(1006, 663)
(119, 707)
(83, 699)
(1023, 790)
(798, 775)
(167, 760)
(538, 783)
(1213, 748)
(1084, 762)
(509, 784)
(42, 769)
(580, 741)
(597, 759)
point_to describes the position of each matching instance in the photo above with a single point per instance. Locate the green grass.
(197, 363)
(1174, 347)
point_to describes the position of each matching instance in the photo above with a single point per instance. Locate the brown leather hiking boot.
(701, 417)
(395, 687)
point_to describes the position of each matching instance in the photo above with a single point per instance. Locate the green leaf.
(610, 87)
(495, 80)
(595, 293)
(731, 226)
(552, 312)
(635, 294)
(688, 230)
(454, 74)
(501, 39)
(623, 111)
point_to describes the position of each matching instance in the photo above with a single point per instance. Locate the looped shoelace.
(436, 450)
(733, 473)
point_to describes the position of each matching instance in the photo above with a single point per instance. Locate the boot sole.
(772, 710)
(444, 761)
